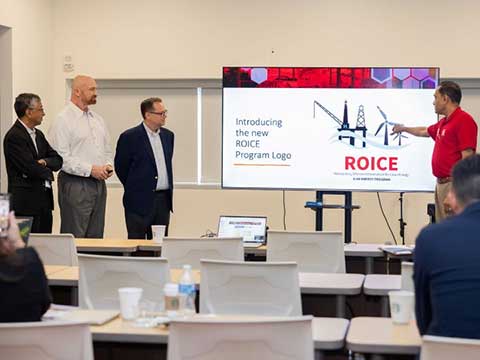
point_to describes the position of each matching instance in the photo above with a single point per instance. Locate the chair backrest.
(407, 276)
(313, 251)
(181, 251)
(45, 341)
(249, 288)
(447, 348)
(102, 276)
(55, 249)
(272, 339)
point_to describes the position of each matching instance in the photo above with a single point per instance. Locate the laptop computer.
(253, 229)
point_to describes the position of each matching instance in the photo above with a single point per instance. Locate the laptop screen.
(252, 228)
(24, 226)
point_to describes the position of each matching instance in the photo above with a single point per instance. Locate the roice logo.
(382, 163)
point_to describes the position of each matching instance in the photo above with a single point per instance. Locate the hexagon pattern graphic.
(401, 74)
(372, 77)
(428, 83)
(411, 83)
(419, 74)
(381, 75)
(258, 75)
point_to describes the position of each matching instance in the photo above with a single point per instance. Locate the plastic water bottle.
(187, 291)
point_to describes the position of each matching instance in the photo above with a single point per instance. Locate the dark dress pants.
(42, 220)
(140, 227)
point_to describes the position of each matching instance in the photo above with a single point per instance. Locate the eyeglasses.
(36, 109)
(161, 113)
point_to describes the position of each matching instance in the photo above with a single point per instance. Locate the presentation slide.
(327, 128)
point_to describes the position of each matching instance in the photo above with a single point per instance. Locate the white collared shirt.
(33, 135)
(157, 148)
(82, 139)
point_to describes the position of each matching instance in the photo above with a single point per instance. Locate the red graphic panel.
(295, 77)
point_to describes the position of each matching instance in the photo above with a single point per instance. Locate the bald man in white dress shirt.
(81, 137)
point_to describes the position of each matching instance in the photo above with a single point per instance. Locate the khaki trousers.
(441, 191)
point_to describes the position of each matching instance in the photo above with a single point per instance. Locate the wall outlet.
(68, 63)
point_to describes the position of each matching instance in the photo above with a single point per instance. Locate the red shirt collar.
(453, 114)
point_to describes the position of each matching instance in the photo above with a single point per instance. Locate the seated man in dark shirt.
(447, 262)
(24, 293)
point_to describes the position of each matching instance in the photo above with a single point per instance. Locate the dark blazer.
(135, 167)
(26, 178)
(24, 292)
(447, 276)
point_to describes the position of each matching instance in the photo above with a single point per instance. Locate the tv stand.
(318, 207)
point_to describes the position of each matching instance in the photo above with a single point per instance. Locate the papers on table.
(398, 249)
(73, 313)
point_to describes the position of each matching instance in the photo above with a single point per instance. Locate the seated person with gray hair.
(447, 261)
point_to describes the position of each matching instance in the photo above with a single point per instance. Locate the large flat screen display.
(327, 128)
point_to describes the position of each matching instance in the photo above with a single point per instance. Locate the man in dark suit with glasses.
(143, 163)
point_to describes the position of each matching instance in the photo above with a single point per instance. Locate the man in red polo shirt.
(455, 137)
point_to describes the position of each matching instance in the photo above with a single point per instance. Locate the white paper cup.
(158, 232)
(401, 306)
(129, 301)
(172, 299)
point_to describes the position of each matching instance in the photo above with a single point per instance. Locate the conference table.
(363, 335)
(51, 269)
(62, 275)
(381, 285)
(328, 333)
(68, 275)
(367, 251)
(127, 247)
(380, 336)
(338, 285)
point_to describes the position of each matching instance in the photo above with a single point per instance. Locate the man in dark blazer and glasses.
(30, 162)
(143, 163)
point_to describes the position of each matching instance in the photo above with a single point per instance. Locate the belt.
(444, 180)
(65, 174)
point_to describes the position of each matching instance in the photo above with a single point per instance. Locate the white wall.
(188, 38)
(27, 48)
(6, 86)
(32, 29)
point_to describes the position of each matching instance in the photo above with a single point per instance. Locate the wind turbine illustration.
(384, 125)
(399, 136)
